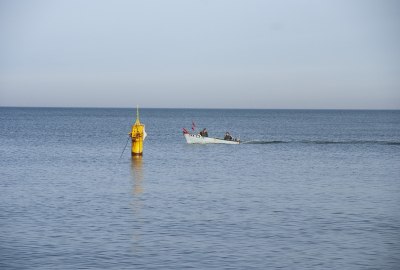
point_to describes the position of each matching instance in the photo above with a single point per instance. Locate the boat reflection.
(136, 201)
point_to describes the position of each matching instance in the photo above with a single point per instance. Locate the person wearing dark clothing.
(204, 133)
(228, 137)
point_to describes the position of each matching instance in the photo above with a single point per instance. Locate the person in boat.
(204, 133)
(228, 137)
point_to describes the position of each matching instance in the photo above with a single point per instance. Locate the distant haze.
(338, 54)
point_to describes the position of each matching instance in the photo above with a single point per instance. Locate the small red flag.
(193, 128)
(193, 124)
(185, 131)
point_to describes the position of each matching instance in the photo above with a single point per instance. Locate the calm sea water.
(308, 190)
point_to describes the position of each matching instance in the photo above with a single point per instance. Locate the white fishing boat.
(197, 138)
(193, 138)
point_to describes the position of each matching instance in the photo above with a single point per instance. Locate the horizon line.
(185, 108)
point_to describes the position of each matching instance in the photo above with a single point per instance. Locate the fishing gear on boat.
(195, 127)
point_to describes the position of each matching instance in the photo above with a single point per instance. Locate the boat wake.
(322, 142)
(262, 142)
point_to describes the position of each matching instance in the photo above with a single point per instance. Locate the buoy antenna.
(137, 119)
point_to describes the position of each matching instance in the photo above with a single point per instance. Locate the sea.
(306, 189)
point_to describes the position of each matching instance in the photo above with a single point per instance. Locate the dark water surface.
(308, 190)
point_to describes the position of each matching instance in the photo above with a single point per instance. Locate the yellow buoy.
(138, 134)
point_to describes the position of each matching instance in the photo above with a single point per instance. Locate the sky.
(283, 54)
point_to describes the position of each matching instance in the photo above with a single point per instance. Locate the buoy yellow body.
(138, 134)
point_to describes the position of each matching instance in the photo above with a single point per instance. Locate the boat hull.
(197, 139)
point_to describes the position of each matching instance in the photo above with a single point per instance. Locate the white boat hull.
(192, 139)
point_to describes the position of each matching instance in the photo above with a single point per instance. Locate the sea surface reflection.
(137, 201)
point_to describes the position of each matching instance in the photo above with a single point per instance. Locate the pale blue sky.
(338, 54)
